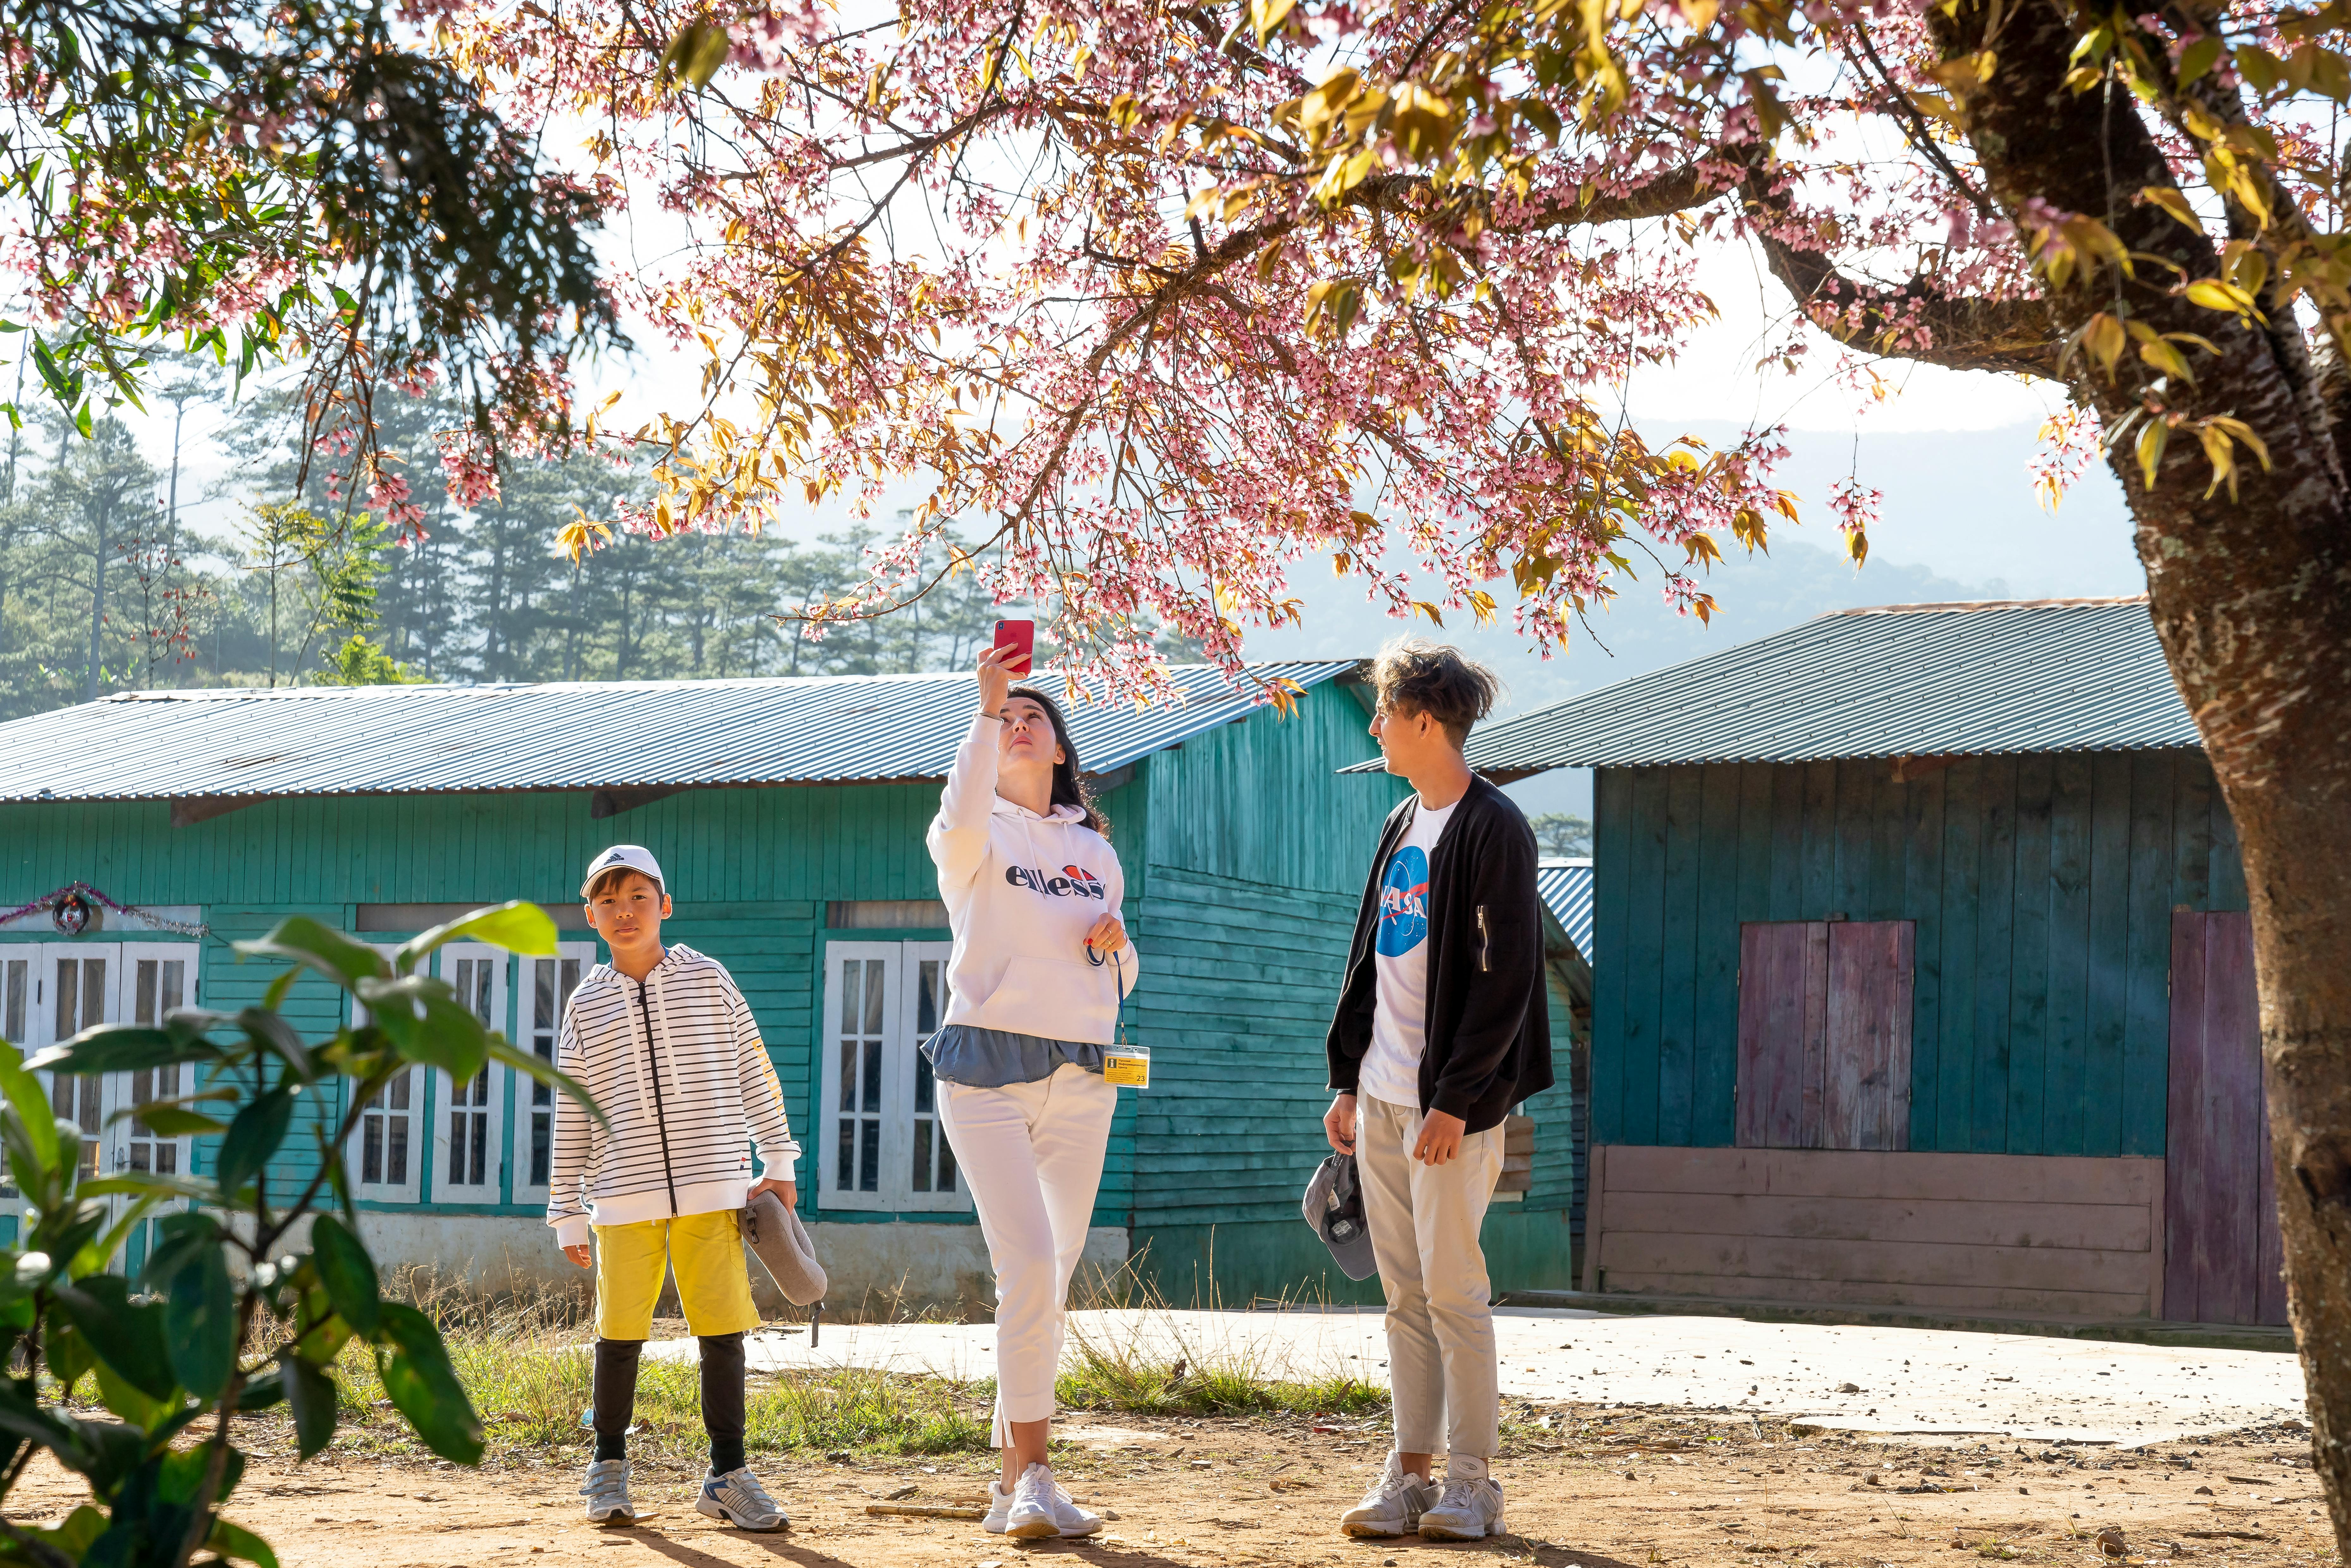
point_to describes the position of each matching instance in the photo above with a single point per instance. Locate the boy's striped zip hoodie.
(677, 1066)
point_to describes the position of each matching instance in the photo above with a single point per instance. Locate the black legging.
(615, 1397)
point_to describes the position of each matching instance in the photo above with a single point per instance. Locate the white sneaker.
(1068, 1519)
(607, 1491)
(1393, 1506)
(737, 1498)
(1031, 1516)
(1469, 1511)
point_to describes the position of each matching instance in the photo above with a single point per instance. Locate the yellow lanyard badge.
(1125, 1065)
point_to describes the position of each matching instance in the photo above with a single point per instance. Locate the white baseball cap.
(631, 857)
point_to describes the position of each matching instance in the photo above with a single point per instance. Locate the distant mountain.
(1757, 596)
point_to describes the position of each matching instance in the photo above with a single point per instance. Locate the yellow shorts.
(706, 1252)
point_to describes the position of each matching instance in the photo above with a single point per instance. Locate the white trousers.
(1031, 1156)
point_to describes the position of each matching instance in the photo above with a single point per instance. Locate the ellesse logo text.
(1075, 881)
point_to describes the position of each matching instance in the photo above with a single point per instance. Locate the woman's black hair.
(1070, 786)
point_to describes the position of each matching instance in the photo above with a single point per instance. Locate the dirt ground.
(1588, 1488)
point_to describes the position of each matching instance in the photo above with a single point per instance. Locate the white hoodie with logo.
(1021, 893)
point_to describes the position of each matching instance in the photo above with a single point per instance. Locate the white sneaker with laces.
(607, 1491)
(1068, 1516)
(737, 1498)
(1393, 1506)
(1031, 1515)
(1469, 1511)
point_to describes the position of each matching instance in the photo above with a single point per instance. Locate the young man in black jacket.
(1442, 1027)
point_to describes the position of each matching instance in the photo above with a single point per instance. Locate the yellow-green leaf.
(2151, 443)
(2173, 200)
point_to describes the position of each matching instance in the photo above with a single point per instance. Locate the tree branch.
(2018, 336)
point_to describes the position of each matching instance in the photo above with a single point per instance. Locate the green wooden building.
(790, 815)
(1924, 978)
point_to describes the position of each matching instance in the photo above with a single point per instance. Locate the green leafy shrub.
(171, 1352)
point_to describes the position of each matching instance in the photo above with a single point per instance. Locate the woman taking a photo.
(1041, 964)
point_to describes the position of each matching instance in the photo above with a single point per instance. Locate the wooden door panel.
(2222, 1256)
(1868, 1085)
(1778, 1049)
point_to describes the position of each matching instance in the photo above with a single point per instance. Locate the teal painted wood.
(718, 846)
(1245, 854)
(1995, 910)
(1715, 989)
(1921, 887)
(1231, 1124)
(1644, 935)
(2042, 888)
(1263, 801)
(1958, 1029)
(2027, 1013)
(1677, 958)
(1236, 1012)
(2066, 1048)
(1612, 865)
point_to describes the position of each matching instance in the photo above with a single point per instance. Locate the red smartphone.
(1020, 634)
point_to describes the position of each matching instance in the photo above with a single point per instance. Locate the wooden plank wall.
(2042, 888)
(2064, 1238)
(1249, 908)
(751, 871)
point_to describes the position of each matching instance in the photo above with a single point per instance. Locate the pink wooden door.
(2222, 1256)
(1865, 1100)
(1825, 1034)
(1782, 1015)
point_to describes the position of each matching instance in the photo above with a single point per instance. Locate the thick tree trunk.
(2251, 597)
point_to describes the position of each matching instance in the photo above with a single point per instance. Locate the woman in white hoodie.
(1042, 962)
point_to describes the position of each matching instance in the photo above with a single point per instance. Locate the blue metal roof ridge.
(1565, 888)
(235, 743)
(1966, 678)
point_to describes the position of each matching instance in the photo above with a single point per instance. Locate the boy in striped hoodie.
(665, 1044)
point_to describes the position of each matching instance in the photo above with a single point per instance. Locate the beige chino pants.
(1424, 1221)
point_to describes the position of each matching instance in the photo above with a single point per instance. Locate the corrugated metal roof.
(618, 735)
(2068, 674)
(1566, 890)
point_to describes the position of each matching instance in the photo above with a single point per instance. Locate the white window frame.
(16, 992)
(121, 1135)
(419, 1146)
(490, 1117)
(527, 1032)
(899, 1065)
(95, 1101)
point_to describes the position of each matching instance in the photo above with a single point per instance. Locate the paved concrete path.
(1900, 1380)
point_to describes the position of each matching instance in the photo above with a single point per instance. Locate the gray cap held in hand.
(775, 1234)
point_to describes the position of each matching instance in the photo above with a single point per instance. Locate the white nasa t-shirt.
(1390, 1070)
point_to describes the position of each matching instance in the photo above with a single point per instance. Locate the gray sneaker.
(1393, 1506)
(737, 1498)
(1469, 1511)
(607, 1491)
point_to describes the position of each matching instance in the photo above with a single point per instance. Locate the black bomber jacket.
(1488, 1025)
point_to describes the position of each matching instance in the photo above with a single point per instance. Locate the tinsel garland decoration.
(56, 896)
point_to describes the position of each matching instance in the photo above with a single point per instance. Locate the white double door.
(879, 1143)
(467, 1152)
(50, 992)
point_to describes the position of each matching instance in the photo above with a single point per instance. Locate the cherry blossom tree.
(1177, 296)
(266, 181)
(1043, 259)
